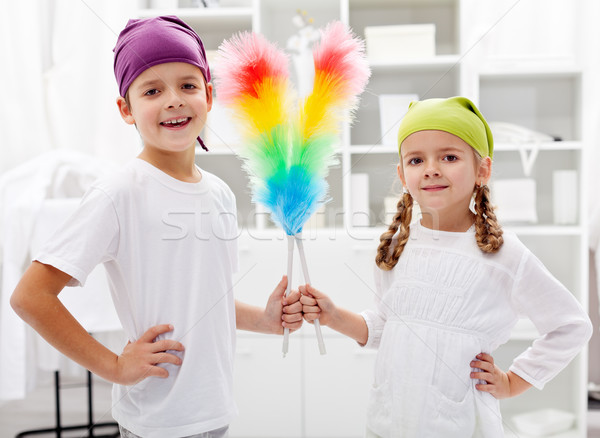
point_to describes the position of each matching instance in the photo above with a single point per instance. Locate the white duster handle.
(286, 331)
(307, 280)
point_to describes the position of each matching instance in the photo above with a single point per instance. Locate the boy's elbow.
(19, 302)
(24, 302)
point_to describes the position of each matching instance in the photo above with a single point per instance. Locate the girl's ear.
(485, 171)
(125, 111)
(400, 171)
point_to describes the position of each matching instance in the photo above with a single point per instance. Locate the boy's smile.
(176, 123)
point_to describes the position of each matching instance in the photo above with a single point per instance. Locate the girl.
(450, 287)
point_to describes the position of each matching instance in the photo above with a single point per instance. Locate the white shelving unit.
(303, 395)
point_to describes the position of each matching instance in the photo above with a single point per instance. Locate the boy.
(166, 233)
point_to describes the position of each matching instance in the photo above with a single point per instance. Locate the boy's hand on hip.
(139, 359)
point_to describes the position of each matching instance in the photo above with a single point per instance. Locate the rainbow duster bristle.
(288, 156)
(341, 73)
(254, 82)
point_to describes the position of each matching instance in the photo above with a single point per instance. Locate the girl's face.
(441, 171)
(168, 104)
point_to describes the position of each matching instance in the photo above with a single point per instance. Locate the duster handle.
(317, 325)
(286, 331)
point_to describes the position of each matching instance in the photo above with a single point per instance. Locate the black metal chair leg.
(90, 427)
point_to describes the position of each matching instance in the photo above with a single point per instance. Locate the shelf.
(525, 230)
(498, 147)
(551, 146)
(224, 150)
(199, 14)
(545, 230)
(213, 24)
(373, 149)
(573, 433)
(438, 63)
(383, 3)
(530, 67)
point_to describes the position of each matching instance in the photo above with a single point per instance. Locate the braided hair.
(401, 220)
(488, 231)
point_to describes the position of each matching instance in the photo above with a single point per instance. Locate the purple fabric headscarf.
(152, 41)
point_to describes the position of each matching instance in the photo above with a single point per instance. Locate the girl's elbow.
(587, 329)
(583, 330)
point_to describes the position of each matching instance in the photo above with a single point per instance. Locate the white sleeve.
(564, 326)
(375, 318)
(88, 237)
(233, 243)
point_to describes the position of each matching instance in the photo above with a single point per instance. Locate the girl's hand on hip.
(497, 382)
(140, 359)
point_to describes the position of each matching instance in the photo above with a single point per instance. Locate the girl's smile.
(434, 188)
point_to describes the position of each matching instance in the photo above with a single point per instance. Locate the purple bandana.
(152, 41)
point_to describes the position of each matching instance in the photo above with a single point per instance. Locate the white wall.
(58, 87)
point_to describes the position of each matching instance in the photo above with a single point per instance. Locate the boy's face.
(168, 104)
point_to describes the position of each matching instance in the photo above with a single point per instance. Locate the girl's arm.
(498, 383)
(315, 304)
(280, 312)
(36, 301)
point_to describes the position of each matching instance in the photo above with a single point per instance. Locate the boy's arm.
(36, 301)
(318, 305)
(280, 312)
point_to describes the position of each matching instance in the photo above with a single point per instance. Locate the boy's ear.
(209, 96)
(125, 111)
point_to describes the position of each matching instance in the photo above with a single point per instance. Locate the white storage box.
(397, 43)
(359, 186)
(515, 200)
(392, 108)
(544, 422)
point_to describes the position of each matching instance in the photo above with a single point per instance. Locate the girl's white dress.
(444, 303)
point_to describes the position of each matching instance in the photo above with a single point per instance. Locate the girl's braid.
(401, 220)
(488, 232)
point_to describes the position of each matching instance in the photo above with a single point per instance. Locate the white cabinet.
(305, 393)
(336, 388)
(268, 390)
(486, 51)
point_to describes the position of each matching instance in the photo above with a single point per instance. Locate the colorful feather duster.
(287, 153)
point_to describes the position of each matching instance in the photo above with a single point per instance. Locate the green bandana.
(455, 115)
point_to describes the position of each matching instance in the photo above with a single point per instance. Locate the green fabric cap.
(456, 115)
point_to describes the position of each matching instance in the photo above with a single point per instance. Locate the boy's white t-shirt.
(169, 249)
